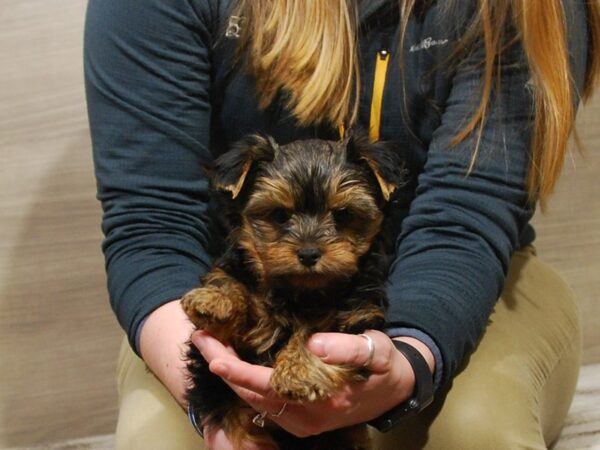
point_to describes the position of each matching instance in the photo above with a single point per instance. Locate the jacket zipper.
(381, 68)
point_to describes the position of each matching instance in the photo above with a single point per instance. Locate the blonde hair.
(307, 51)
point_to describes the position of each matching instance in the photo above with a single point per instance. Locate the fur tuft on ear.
(384, 161)
(230, 170)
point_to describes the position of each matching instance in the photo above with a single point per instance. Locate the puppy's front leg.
(219, 306)
(356, 321)
(300, 376)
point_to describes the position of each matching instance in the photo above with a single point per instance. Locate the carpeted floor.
(582, 427)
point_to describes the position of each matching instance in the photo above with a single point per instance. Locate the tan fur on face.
(346, 191)
(339, 258)
(274, 251)
(269, 193)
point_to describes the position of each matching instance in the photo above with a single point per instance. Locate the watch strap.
(422, 394)
(192, 417)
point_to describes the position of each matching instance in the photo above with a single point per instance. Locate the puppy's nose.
(309, 256)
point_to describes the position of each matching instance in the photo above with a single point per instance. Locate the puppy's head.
(310, 209)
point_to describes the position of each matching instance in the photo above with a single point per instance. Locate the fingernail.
(317, 346)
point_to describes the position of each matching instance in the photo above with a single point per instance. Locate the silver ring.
(280, 411)
(259, 419)
(370, 348)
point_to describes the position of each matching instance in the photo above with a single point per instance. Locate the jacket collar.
(370, 7)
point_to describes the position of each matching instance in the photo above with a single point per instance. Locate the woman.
(481, 94)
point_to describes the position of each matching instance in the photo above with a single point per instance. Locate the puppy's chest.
(273, 320)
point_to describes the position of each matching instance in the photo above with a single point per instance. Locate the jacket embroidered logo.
(427, 43)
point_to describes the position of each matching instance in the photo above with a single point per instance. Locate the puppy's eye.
(280, 216)
(343, 216)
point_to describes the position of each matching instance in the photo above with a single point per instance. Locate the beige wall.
(58, 339)
(569, 233)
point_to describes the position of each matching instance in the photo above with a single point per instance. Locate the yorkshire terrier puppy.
(306, 254)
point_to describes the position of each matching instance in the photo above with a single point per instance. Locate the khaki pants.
(513, 393)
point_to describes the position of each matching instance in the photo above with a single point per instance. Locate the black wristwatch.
(422, 396)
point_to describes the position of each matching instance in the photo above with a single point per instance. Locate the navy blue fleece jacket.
(164, 99)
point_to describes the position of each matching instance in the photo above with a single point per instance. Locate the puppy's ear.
(385, 162)
(230, 170)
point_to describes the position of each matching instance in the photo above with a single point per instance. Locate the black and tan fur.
(306, 254)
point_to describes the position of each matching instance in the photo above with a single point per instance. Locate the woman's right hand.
(163, 345)
(216, 439)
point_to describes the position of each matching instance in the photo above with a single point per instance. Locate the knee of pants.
(499, 416)
(497, 408)
(465, 431)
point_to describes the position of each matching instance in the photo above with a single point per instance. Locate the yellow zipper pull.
(381, 67)
(342, 131)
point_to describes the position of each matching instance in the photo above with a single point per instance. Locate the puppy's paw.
(300, 380)
(290, 384)
(207, 305)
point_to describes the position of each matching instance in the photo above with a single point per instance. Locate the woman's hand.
(163, 346)
(391, 381)
(216, 439)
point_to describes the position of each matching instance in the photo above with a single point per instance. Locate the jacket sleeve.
(147, 73)
(457, 242)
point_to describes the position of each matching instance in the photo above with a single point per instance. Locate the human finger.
(372, 350)
(257, 401)
(266, 409)
(243, 377)
(210, 347)
(216, 439)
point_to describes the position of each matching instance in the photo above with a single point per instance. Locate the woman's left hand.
(391, 381)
